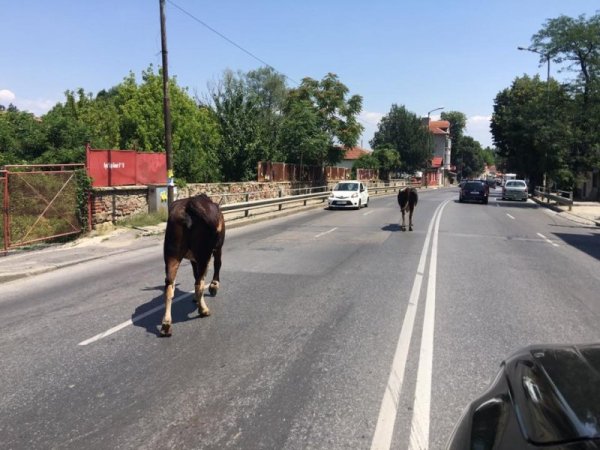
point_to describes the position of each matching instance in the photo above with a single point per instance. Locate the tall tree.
(572, 41)
(575, 43)
(269, 91)
(237, 113)
(403, 131)
(529, 132)
(337, 114)
(458, 122)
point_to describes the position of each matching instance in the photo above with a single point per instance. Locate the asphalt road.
(332, 330)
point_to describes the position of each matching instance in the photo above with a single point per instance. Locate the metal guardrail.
(558, 196)
(301, 199)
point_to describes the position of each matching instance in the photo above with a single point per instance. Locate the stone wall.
(112, 204)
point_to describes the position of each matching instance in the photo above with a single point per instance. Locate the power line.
(221, 35)
(229, 40)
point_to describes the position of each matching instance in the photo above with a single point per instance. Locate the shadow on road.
(587, 243)
(180, 311)
(391, 227)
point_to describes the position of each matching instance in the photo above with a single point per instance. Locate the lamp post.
(545, 56)
(436, 109)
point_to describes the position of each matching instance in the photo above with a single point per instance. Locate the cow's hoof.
(403, 228)
(204, 313)
(166, 330)
(213, 288)
(410, 229)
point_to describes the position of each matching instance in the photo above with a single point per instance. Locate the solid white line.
(547, 240)
(419, 429)
(367, 213)
(326, 232)
(382, 438)
(510, 216)
(130, 321)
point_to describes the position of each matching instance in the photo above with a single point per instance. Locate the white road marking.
(419, 429)
(367, 213)
(382, 438)
(510, 216)
(131, 321)
(326, 232)
(547, 240)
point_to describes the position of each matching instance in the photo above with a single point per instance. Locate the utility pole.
(166, 107)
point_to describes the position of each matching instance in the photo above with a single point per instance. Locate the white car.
(349, 194)
(515, 190)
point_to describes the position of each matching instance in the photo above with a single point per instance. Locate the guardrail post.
(280, 195)
(247, 212)
(571, 201)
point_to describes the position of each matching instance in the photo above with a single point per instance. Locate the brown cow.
(407, 199)
(195, 231)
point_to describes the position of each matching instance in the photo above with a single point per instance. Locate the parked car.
(515, 190)
(474, 190)
(544, 397)
(349, 194)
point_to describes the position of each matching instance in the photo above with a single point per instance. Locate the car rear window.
(474, 185)
(515, 184)
(346, 187)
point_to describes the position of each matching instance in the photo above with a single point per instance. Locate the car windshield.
(346, 187)
(515, 184)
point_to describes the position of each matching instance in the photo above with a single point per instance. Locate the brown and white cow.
(195, 231)
(407, 199)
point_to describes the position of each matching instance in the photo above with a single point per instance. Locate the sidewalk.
(20, 263)
(585, 213)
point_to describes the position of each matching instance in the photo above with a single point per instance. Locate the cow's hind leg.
(403, 226)
(410, 214)
(199, 275)
(171, 266)
(213, 288)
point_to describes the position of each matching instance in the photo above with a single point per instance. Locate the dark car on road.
(474, 190)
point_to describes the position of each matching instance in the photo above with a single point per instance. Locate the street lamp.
(546, 56)
(436, 109)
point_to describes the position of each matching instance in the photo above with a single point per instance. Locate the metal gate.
(39, 203)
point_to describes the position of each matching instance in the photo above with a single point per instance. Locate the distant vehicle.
(474, 190)
(491, 182)
(544, 397)
(515, 190)
(349, 194)
(508, 176)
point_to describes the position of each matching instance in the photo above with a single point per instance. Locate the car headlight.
(355, 195)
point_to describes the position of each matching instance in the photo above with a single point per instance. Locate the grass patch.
(144, 220)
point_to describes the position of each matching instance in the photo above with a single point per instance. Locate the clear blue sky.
(420, 54)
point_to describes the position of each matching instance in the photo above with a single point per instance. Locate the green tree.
(458, 123)
(471, 160)
(574, 43)
(300, 138)
(269, 92)
(237, 114)
(405, 133)
(529, 127)
(21, 136)
(337, 114)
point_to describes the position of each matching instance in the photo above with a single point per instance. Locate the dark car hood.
(543, 397)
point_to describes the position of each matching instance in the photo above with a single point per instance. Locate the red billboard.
(125, 167)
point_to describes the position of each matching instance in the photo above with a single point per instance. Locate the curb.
(566, 214)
